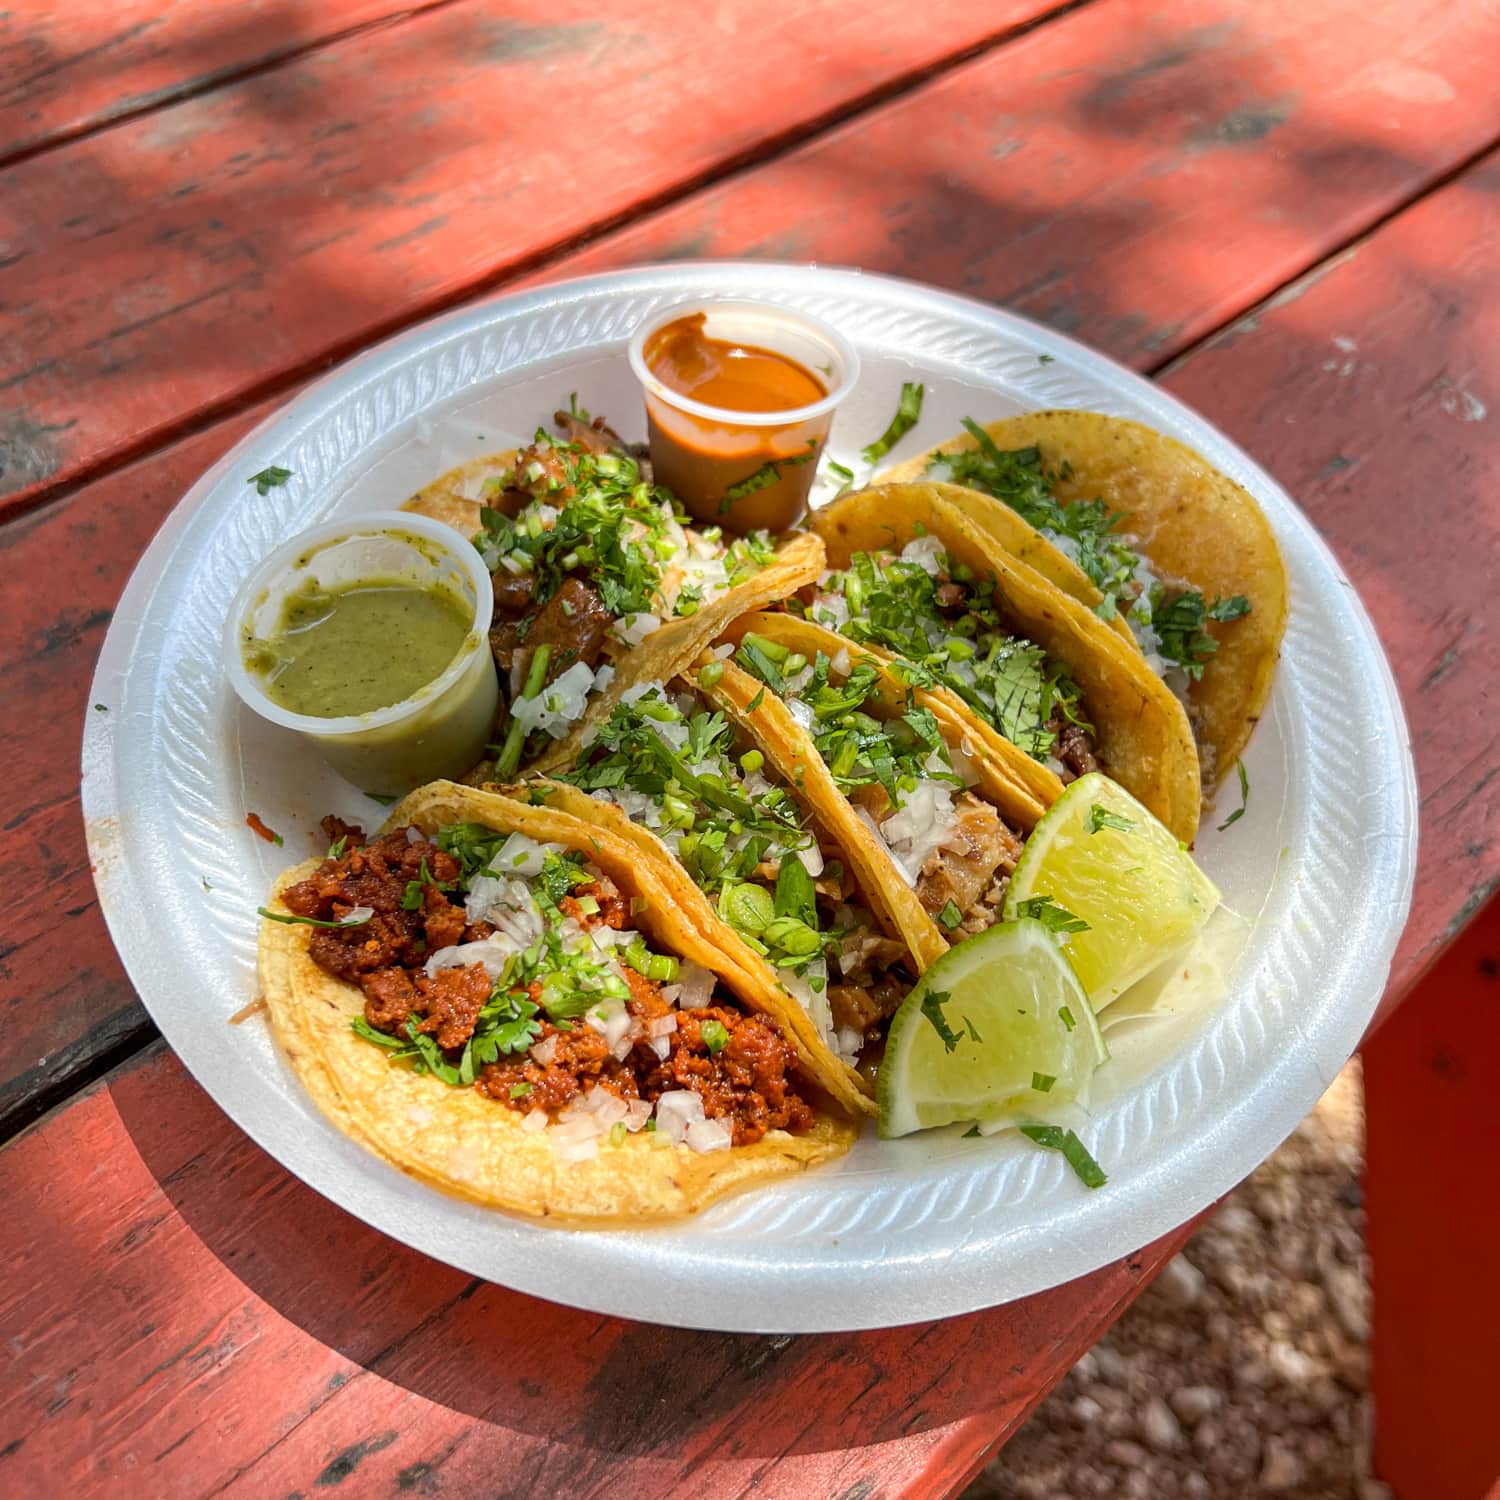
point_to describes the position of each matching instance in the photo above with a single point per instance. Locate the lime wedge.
(1103, 858)
(997, 1031)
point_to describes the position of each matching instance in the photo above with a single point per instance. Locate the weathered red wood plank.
(1131, 174)
(176, 262)
(64, 999)
(1379, 439)
(65, 70)
(1371, 389)
(181, 1316)
(1431, 1079)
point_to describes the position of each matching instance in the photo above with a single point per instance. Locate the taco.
(1044, 684)
(813, 924)
(1147, 534)
(601, 580)
(504, 1002)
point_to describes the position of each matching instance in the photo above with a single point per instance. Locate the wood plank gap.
(1290, 289)
(140, 1033)
(738, 163)
(182, 93)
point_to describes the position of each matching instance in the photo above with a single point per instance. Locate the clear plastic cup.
(442, 728)
(703, 453)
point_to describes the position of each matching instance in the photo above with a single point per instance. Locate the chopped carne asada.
(493, 961)
(945, 841)
(588, 558)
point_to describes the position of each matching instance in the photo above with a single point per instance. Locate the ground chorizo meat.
(452, 999)
(746, 1079)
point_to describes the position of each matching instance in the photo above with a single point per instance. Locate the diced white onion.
(926, 552)
(661, 1046)
(694, 987)
(413, 834)
(920, 826)
(557, 706)
(675, 1111)
(840, 663)
(812, 860)
(603, 677)
(725, 651)
(543, 1052)
(633, 629)
(708, 1135)
(579, 1150)
(661, 1026)
(535, 1122)
(802, 712)
(637, 1112)
(357, 916)
(494, 952)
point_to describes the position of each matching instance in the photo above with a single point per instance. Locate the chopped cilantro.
(971, 1133)
(844, 476)
(1045, 359)
(932, 1007)
(908, 411)
(1053, 917)
(1239, 812)
(1179, 622)
(950, 916)
(269, 478)
(1042, 1082)
(520, 1090)
(1074, 1152)
(99, 708)
(1007, 680)
(291, 921)
(1102, 817)
(756, 701)
(382, 798)
(336, 849)
(765, 476)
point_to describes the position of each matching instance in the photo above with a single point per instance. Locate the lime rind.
(1005, 992)
(1140, 892)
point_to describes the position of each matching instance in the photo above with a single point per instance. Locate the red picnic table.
(1285, 212)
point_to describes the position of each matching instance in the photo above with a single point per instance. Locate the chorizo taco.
(1143, 531)
(1040, 680)
(601, 580)
(505, 1002)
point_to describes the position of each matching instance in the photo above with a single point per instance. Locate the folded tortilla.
(1144, 740)
(455, 1139)
(1195, 526)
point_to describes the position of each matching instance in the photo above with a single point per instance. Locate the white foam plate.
(1319, 869)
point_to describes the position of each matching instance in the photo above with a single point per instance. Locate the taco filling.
(494, 962)
(1168, 617)
(671, 761)
(943, 625)
(589, 559)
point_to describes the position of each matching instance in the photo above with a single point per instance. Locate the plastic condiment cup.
(442, 728)
(701, 452)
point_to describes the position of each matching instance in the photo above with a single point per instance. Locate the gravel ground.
(1242, 1370)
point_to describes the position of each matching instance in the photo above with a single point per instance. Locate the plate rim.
(954, 1296)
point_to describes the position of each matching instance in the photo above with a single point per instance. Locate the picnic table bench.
(1286, 212)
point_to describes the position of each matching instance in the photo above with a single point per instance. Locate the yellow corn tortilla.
(1142, 732)
(1195, 525)
(455, 1139)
